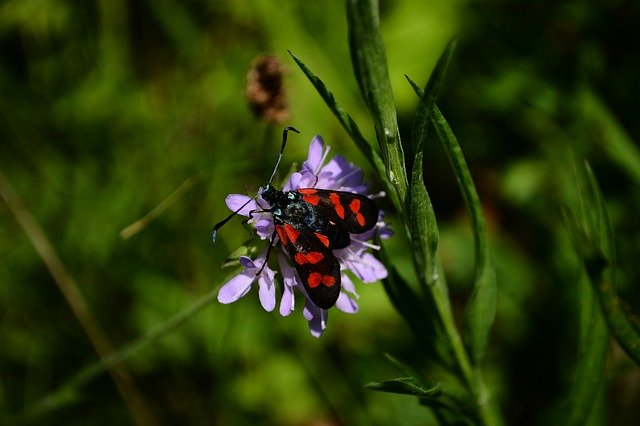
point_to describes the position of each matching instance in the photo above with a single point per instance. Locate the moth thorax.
(296, 210)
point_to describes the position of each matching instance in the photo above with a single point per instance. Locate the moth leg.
(266, 258)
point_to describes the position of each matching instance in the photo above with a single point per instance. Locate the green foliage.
(513, 273)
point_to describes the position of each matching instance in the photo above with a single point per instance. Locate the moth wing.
(355, 213)
(317, 267)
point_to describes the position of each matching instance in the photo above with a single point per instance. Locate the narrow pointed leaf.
(349, 124)
(423, 225)
(404, 386)
(594, 242)
(593, 349)
(428, 97)
(587, 224)
(402, 367)
(370, 67)
(343, 117)
(437, 396)
(480, 310)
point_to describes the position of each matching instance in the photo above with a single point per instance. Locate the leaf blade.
(370, 66)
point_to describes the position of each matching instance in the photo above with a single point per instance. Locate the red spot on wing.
(335, 199)
(323, 239)
(312, 257)
(311, 199)
(307, 191)
(328, 280)
(316, 278)
(354, 205)
(292, 233)
(282, 235)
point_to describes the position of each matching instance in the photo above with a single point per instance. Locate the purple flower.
(316, 172)
(240, 285)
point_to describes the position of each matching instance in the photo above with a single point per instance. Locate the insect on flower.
(322, 220)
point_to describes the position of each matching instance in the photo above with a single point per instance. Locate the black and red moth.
(310, 223)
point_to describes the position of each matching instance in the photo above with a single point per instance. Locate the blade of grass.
(59, 397)
(68, 287)
(157, 211)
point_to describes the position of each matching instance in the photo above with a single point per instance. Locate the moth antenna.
(284, 142)
(275, 169)
(226, 219)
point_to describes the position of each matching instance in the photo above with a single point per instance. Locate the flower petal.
(317, 318)
(307, 180)
(314, 158)
(293, 182)
(264, 227)
(236, 287)
(248, 263)
(367, 268)
(347, 285)
(267, 289)
(287, 303)
(236, 201)
(346, 304)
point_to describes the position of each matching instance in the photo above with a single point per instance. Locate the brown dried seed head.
(265, 89)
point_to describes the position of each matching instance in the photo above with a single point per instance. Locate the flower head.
(316, 172)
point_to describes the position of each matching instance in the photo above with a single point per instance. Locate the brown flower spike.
(265, 89)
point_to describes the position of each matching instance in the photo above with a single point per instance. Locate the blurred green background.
(107, 107)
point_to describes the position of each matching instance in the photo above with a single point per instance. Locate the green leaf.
(484, 298)
(441, 398)
(349, 124)
(587, 225)
(593, 348)
(345, 119)
(423, 227)
(428, 96)
(592, 238)
(481, 308)
(404, 386)
(370, 67)
(402, 367)
(423, 224)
